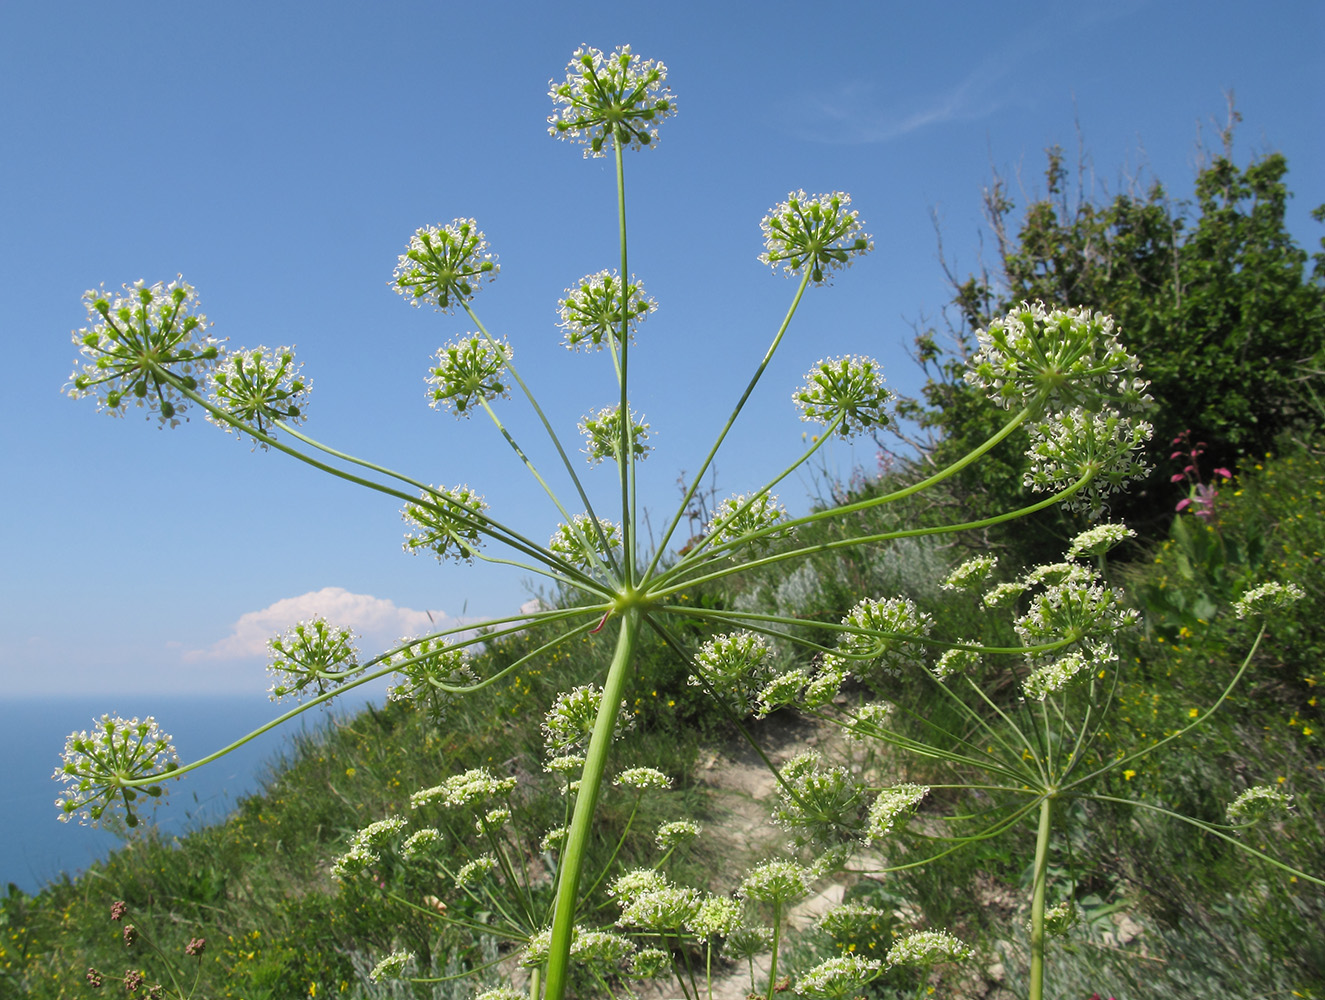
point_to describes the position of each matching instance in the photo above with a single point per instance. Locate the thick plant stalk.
(591, 779)
(1037, 898)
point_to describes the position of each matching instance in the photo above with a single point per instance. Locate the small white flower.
(1099, 539)
(954, 661)
(851, 388)
(892, 807)
(606, 98)
(837, 978)
(604, 437)
(1257, 802)
(595, 310)
(447, 523)
(641, 778)
(928, 948)
(819, 232)
(142, 347)
(94, 768)
(1056, 360)
(391, 967)
(1267, 597)
(475, 870)
(970, 574)
(582, 545)
(741, 516)
(311, 657)
(468, 371)
(259, 387)
(445, 265)
(474, 786)
(776, 882)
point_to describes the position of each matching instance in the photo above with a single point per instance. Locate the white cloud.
(375, 618)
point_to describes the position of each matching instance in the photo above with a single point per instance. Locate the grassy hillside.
(1202, 920)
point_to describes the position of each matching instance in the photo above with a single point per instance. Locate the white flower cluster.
(736, 666)
(892, 808)
(475, 786)
(569, 723)
(259, 387)
(716, 915)
(815, 801)
(429, 670)
(653, 903)
(605, 438)
(837, 978)
(970, 574)
(391, 967)
(447, 523)
(819, 233)
(926, 948)
(366, 846)
(469, 370)
(1257, 802)
(1055, 360)
(848, 388)
(776, 882)
(95, 767)
(475, 871)
(1098, 540)
(881, 636)
(955, 661)
(1268, 597)
(143, 347)
(595, 311)
(605, 98)
(584, 543)
(445, 265)
(640, 778)
(1071, 445)
(311, 656)
(744, 515)
(676, 833)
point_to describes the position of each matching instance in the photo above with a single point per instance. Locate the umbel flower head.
(583, 546)
(1057, 360)
(445, 265)
(139, 345)
(97, 765)
(619, 97)
(468, 370)
(594, 312)
(1070, 445)
(737, 666)
(445, 523)
(259, 387)
(816, 232)
(427, 669)
(850, 388)
(311, 654)
(604, 437)
(742, 515)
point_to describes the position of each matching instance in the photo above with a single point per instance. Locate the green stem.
(591, 779)
(1037, 898)
(626, 466)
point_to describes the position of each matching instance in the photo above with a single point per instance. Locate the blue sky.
(280, 156)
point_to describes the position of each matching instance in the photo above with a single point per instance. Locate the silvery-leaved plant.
(1063, 374)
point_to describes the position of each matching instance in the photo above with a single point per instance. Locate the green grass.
(258, 887)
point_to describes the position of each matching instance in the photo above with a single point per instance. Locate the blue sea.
(35, 848)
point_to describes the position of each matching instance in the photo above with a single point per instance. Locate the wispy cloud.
(375, 618)
(860, 111)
